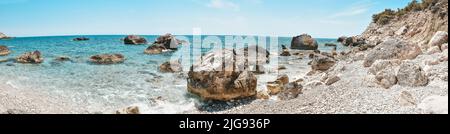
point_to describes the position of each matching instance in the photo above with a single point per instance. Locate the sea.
(105, 88)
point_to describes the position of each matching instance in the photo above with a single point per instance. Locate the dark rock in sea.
(134, 40)
(81, 39)
(330, 44)
(222, 80)
(304, 42)
(4, 50)
(30, 58)
(168, 41)
(285, 51)
(62, 59)
(341, 39)
(155, 49)
(107, 59)
(171, 67)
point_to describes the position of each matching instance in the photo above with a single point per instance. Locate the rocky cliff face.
(415, 25)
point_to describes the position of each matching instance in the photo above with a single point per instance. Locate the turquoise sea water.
(103, 87)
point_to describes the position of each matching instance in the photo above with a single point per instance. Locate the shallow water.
(105, 88)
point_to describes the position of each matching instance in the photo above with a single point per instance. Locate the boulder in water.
(4, 51)
(134, 40)
(107, 58)
(30, 57)
(81, 39)
(304, 42)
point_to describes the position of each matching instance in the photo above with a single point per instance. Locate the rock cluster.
(107, 58)
(30, 58)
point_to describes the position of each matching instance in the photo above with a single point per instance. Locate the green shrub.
(389, 14)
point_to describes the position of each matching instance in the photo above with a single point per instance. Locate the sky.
(319, 18)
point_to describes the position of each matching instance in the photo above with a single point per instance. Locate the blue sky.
(320, 18)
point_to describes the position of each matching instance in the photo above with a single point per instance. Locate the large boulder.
(134, 40)
(353, 41)
(322, 63)
(380, 65)
(30, 58)
(107, 58)
(217, 76)
(168, 41)
(386, 78)
(438, 39)
(304, 42)
(341, 39)
(392, 49)
(4, 51)
(411, 74)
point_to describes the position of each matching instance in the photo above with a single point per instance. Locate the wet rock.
(406, 99)
(62, 59)
(129, 110)
(434, 105)
(134, 40)
(155, 49)
(322, 63)
(171, 67)
(107, 59)
(438, 39)
(168, 41)
(304, 42)
(81, 39)
(4, 50)
(30, 58)
(411, 74)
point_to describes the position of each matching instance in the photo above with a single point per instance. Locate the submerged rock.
(134, 40)
(4, 50)
(304, 42)
(411, 74)
(171, 67)
(107, 58)
(30, 57)
(218, 76)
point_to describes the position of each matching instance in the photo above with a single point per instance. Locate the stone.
(341, 39)
(403, 30)
(331, 80)
(433, 50)
(217, 76)
(30, 58)
(438, 39)
(4, 50)
(129, 110)
(282, 67)
(322, 63)
(411, 74)
(107, 59)
(81, 39)
(155, 49)
(444, 46)
(134, 40)
(171, 67)
(168, 41)
(290, 91)
(278, 85)
(386, 78)
(434, 105)
(262, 95)
(62, 58)
(406, 99)
(304, 42)
(392, 48)
(330, 45)
(383, 64)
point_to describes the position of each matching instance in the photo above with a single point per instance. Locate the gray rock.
(392, 49)
(438, 39)
(411, 74)
(386, 78)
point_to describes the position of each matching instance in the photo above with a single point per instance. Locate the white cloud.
(355, 9)
(223, 4)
